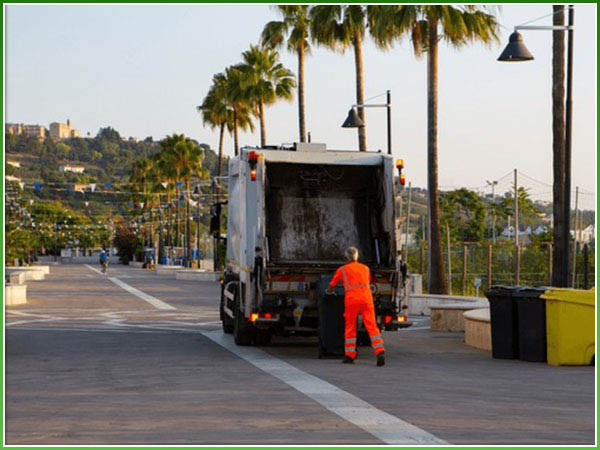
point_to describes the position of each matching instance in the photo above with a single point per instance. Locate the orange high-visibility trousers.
(366, 309)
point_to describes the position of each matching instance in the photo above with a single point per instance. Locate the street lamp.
(516, 51)
(354, 121)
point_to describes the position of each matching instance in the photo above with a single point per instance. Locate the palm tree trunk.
(235, 133)
(558, 143)
(263, 127)
(435, 275)
(301, 106)
(360, 90)
(221, 138)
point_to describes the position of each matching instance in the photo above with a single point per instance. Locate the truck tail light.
(268, 316)
(387, 319)
(400, 166)
(253, 174)
(253, 156)
(401, 318)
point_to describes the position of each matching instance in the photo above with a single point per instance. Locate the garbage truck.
(292, 210)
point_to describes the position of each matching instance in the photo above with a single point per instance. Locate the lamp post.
(354, 121)
(516, 51)
(493, 184)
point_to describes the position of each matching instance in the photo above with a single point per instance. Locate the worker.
(356, 278)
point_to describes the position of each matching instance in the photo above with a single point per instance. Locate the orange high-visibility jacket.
(356, 278)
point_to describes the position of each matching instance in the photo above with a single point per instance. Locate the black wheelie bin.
(331, 320)
(504, 322)
(531, 313)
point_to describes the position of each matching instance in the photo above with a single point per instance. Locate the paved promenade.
(133, 358)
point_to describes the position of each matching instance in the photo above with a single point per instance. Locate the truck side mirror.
(215, 220)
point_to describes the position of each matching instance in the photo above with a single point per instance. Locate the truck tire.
(226, 321)
(242, 333)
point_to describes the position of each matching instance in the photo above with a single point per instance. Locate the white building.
(69, 168)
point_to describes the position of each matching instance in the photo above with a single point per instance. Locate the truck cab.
(292, 211)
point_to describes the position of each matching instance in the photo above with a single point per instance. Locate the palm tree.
(140, 178)
(236, 95)
(184, 156)
(295, 24)
(458, 26)
(337, 27)
(265, 81)
(216, 113)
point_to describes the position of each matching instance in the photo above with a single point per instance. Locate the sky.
(143, 69)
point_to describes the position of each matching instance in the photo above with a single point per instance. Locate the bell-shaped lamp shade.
(515, 50)
(353, 121)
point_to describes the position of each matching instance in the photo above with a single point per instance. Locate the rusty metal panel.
(315, 211)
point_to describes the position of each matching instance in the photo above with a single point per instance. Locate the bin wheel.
(593, 361)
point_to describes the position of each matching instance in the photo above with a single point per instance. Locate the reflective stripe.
(375, 337)
(347, 284)
(378, 345)
(350, 341)
(350, 349)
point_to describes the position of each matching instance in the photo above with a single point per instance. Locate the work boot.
(381, 359)
(348, 360)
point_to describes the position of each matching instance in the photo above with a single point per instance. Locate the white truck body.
(291, 214)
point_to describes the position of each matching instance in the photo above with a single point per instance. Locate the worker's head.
(351, 254)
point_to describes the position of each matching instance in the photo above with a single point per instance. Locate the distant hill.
(107, 157)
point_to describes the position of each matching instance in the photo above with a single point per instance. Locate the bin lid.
(528, 292)
(578, 296)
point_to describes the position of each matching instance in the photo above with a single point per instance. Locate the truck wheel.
(226, 321)
(242, 333)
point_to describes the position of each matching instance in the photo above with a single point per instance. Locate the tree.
(266, 80)
(109, 134)
(463, 212)
(232, 83)
(426, 25)
(184, 157)
(295, 24)
(558, 145)
(337, 27)
(217, 113)
(528, 211)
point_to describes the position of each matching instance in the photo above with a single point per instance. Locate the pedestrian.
(356, 278)
(103, 260)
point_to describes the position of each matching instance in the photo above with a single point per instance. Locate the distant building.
(70, 168)
(16, 164)
(588, 234)
(62, 130)
(38, 131)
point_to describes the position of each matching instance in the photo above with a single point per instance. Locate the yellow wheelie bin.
(570, 320)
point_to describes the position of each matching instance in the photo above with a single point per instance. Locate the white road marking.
(380, 424)
(157, 303)
(415, 328)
